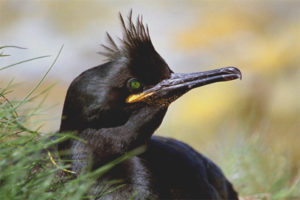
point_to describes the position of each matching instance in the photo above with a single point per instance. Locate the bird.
(117, 106)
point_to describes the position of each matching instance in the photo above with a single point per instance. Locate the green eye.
(134, 84)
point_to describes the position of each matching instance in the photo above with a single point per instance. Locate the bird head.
(135, 77)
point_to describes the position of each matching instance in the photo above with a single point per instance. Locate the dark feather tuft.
(135, 37)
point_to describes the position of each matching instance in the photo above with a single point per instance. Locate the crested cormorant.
(117, 106)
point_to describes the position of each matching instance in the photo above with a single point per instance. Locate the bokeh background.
(255, 121)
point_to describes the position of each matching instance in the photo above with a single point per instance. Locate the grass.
(26, 169)
(255, 168)
(27, 172)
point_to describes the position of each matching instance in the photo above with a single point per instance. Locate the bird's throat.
(106, 144)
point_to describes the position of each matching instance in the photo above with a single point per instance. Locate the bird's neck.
(106, 144)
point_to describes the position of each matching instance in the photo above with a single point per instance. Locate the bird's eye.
(134, 85)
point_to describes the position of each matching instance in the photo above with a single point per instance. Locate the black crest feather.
(135, 36)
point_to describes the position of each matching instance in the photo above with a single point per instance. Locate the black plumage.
(118, 105)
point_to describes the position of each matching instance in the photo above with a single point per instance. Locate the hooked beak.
(169, 90)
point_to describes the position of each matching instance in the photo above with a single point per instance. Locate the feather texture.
(135, 36)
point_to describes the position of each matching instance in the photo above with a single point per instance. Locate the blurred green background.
(256, 119)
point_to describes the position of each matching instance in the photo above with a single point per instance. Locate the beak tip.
(240, 76)
(235, 71)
